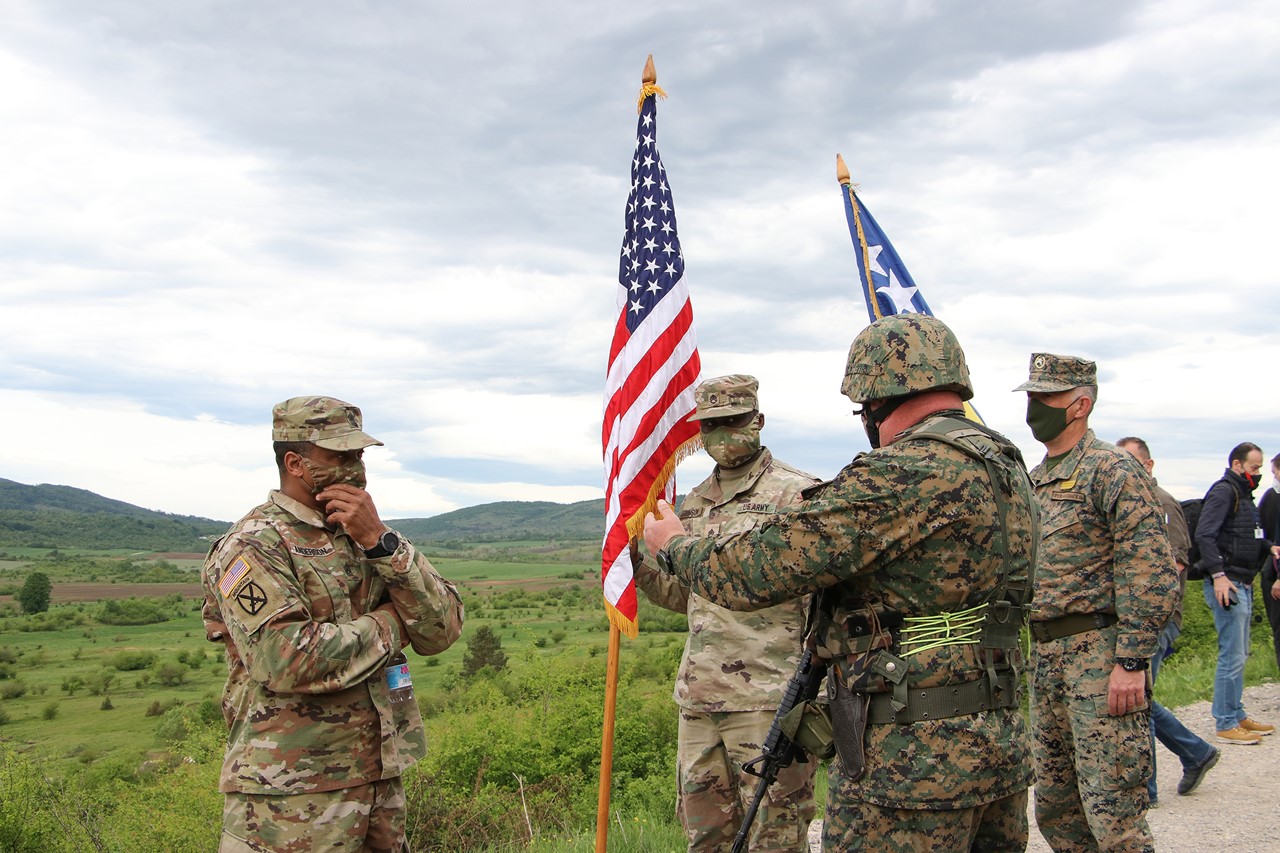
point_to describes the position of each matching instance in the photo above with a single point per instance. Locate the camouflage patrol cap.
(1050, 373)
(323, 421)
(905, 354)
(725, 396)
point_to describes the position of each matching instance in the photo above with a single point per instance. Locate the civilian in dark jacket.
(1232, 548)
(1269, 512)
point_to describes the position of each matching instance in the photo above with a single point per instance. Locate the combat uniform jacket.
(307, 700)
(1103, 546)
(733, 661)
(913, 529)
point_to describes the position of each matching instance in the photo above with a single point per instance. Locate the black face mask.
(871, 420)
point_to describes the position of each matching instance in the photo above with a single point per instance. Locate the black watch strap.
(1133, 664)
(388, 542)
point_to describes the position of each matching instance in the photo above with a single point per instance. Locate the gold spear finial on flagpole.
(648, 85)
(842, 171)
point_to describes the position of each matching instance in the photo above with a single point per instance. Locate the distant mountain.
(48, 516)
(510, 521)
(65, 517)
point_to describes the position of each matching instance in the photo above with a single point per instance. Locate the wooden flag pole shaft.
(606, 746)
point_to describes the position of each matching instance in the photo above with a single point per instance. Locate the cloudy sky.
(212, 206)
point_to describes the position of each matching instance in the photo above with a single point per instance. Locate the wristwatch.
(1133, 664)
(387, 544)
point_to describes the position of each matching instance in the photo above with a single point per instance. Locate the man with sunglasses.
(735, 665)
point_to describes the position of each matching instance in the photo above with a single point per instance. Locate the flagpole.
(649, 78)
(606, 750)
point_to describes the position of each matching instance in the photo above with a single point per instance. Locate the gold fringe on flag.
(635, 524)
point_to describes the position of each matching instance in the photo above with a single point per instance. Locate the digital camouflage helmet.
(905, 354)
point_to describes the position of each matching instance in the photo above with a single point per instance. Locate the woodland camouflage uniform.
(919, 528)
(735, 665)
(315, 732)
(1104, 555)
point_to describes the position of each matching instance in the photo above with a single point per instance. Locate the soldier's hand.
(661, 528)
(354, 510)
(1275, 589)
(1126, 692)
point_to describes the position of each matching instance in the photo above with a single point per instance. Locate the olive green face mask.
(732, 446)
(1046, 422)
(323, 476)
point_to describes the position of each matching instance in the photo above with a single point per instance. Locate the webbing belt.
(1072, 623)
(950, 700)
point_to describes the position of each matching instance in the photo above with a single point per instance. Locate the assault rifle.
(779, 750)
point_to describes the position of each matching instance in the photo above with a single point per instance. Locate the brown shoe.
(1259, 729)
(1239, 737)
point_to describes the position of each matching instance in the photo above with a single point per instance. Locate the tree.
(34, 595)
(483, 649)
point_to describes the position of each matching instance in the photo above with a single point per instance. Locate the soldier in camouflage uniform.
(314, 599)
(735, 665)
(1105, 586)
(921, 551)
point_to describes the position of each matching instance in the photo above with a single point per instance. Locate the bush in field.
(100, 682)
(50, 711)
(35, 592)
(130, 661)
(133, 611)
(483, 649)
(170, 673)
(71, 684)
(8, 655)
(13, 690)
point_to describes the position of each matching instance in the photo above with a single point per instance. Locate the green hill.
(510, 521)
(48, 516)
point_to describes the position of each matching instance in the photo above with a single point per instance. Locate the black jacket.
(1226, 534)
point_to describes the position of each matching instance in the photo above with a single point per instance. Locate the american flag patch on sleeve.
(233, 576)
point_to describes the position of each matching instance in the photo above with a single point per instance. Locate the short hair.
(1144, 452)
(1275, 461)
(1090, 391)
(302, 448)
(1241, 451)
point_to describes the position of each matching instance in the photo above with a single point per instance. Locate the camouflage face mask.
(732, 446)
(323, 476)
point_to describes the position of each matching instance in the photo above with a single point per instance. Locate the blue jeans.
(1190, 748)
(1233, 647)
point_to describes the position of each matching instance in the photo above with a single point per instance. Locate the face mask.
(1046, 422)
(871, 420)
(732, 446)
(323, 476)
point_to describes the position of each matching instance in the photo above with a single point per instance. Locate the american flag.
(885, 282)
(653, 367)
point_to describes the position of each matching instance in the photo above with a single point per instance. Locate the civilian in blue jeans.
(1232, 549)
(1197, 756)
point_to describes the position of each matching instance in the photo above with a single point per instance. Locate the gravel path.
(1233, 807)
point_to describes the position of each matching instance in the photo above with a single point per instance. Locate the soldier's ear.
(759, 420)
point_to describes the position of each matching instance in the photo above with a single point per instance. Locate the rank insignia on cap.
(233, 576)
(1040, 362)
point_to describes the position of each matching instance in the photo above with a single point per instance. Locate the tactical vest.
(869, 644)
(1241, 550)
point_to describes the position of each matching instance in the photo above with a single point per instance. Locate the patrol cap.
(725, 396)
(1050, 373)
(323, 421)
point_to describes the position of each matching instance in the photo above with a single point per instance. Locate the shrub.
(49, 711)
(106, 704)
(131, 661)
(13, 690)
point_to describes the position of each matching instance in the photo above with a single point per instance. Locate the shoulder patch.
(235, 574)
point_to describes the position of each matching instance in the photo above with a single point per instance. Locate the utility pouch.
(848, 727)
(808, 725)
(1001, 627)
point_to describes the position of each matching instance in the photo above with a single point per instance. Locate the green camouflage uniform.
(910, 529)
(732, 677)
(308, 701)
(1103, 550)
